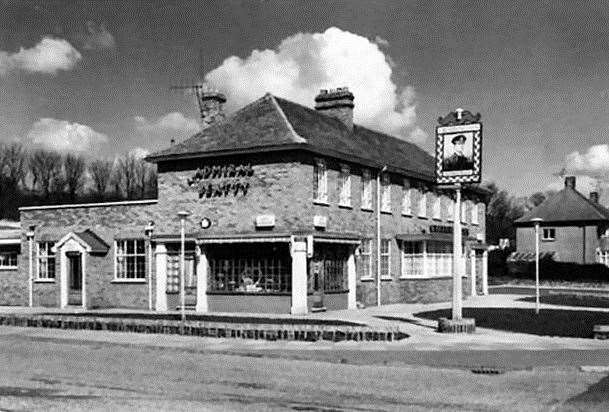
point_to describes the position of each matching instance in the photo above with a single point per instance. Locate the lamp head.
(182, 214)
(30, 232)
(149, 228)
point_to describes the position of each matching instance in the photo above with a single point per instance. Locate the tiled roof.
(96, 244)
(272, 122)
(568, 205)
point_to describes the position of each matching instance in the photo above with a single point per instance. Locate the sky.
(94, 76)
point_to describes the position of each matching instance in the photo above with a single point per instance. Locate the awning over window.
(420, 237)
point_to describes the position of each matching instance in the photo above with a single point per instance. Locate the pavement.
(423, 336)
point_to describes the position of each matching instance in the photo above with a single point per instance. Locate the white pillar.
(351, 281)
(472, 271)
(485, 272)
(31, 273)
(298, 249)
(161, 277)
(202, 276)
(457, 312)
(83, 272)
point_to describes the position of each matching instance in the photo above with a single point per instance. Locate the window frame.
(436, 212)
(474, 214)
(386, 193)
(125, 255)
(367, 190)
(406, 199)
(9, 255)
(368, 255)
(549, 229)
(344, 186)
(49, 256)
(385, 255)
(422, 205)
(320, 182)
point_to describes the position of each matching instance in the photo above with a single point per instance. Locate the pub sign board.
(458, 153)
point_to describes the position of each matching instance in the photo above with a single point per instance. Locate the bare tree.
(74, 169)
(45, 167)
(100, 171)
(129, 170)
(13, 159)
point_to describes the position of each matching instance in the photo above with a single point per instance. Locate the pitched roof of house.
(272, 123)
(96, 243)
(566, 206)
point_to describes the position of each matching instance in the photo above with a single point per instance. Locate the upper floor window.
(437, 208)
(423, 205)
(406, 199)
(45, 260)
(548, 234)
(320, 181)
(450, 209)
(130, 259)
(475, 214)
(464, 211)
(386, 193)
(344, 186)
(366, 189)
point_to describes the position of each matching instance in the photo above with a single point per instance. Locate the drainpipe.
(378, 235)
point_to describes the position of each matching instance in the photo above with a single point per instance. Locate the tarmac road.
(43, 372)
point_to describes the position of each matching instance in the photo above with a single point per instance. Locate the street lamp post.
(182, 215)
(148, 230)
(537, 221)
(30, 237)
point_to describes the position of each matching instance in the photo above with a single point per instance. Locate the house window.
(548, 234)
(406, 200)
(320, 182)
(8, 260)
(450, 207)
(437, 208)
(366, 189)
(364, 259)
(344, 186)
(130, 259)
(385, 194)
(385, 258)
(45, 260)
(412, 259)
(423, 205)
(464, 212)
(474, 214)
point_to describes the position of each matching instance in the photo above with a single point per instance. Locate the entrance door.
(74, 278)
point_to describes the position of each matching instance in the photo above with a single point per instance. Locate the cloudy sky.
(94, 77)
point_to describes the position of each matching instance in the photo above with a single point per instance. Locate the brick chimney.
(570, 182)
(211, 105)
(594, 197)
(337, 103)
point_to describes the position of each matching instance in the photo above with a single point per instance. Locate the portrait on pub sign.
(458, 154)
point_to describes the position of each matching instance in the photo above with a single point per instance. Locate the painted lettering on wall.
(221, 180)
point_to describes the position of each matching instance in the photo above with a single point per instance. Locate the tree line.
(41, 176)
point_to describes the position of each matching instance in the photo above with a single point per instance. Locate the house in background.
(10, 247)
(574, 228)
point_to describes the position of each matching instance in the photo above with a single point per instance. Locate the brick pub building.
(307, 211)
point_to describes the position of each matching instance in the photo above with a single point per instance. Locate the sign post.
(458, 162)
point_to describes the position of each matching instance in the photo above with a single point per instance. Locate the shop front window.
(412, 259)
(426, 259)
(250, 268)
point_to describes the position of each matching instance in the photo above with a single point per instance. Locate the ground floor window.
(8, 259)
(130, 259)
(385, 258)
(250, 268)
(45, 260)
(426, 259)
(364, 261)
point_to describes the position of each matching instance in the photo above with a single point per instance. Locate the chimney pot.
(337, 103)
(211, 106)
(594, 197)
(570, 182)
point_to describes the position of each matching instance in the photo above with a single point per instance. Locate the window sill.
(367, 209)
(437, 219)
(321, 202)
(406, 214)
(422, 217)
(44, 280)
(547, 240)
(367, 279)
(386, 212)
(345, 206)
(429, 277)
(138, 281)
(385, 278)
(8, 268)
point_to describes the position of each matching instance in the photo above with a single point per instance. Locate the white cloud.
(584, 184)
(48, 56)
(139, 152)
(170, 126)
(304, 63)
(64, 136)
(97, 37)
(594, 162)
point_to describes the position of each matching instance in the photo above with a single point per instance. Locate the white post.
(298, 250)
(182, 291)
(150, 274)
(202, 275)
(378, 235)
(83, 273)
(31, 273)
(351, 280)
(485, 272)
(161, 277)
(537, 220)
(472, 271)
(457, 312)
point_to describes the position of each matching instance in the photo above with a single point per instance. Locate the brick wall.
(568, 242)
